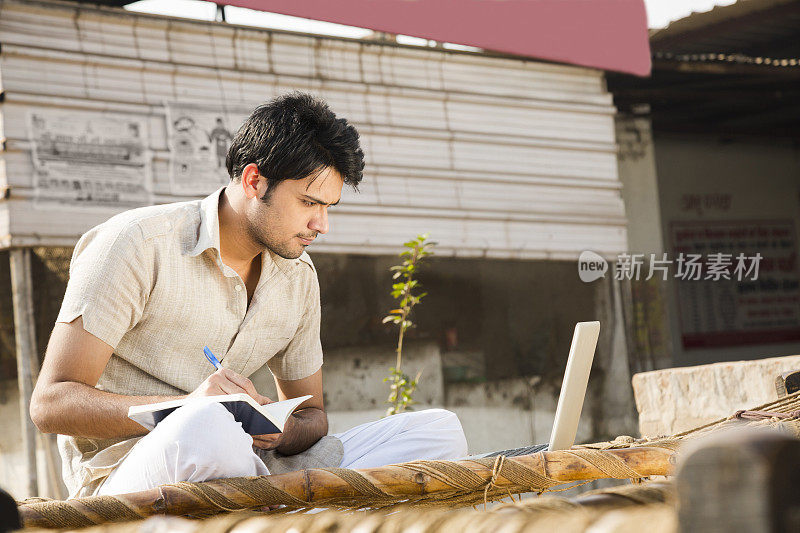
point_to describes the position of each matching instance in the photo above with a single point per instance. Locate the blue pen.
(211, 357)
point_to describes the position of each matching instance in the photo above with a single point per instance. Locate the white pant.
(202, 442)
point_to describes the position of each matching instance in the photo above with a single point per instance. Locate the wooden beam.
(27, 355)
(764, 83)
(725, 68)
(783, 46)
(740, 481)
(769, 115)
(775, 94)
(787, 383)
(665, 126)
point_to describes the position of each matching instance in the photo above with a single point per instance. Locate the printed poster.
(199, 138)
(89, 160)
(729, 312)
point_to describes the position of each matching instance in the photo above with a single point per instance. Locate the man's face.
(293, 212)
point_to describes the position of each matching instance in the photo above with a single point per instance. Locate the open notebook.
(255, 419)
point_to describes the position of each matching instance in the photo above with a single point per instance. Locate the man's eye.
(307, 203)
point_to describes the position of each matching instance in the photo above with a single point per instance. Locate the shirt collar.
(208, 232)
(208, 238)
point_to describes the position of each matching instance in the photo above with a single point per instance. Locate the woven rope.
(523, 476)
(112, 509)
(57, 514)
(208, 494)
(453, 474)
(466, 487)
(260, 490)
(611, 465)
(364, 486)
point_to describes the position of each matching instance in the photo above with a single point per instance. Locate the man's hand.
(226, 381)
(270, 441)
(307, 424)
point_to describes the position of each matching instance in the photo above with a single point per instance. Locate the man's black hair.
(294, 136)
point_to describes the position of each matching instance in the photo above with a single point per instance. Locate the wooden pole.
(27, 355)
(740, 480)
(318, 487)
(787, 383)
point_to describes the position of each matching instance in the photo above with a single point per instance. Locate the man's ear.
(250, 180)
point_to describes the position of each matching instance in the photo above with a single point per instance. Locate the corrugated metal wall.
(494, 157)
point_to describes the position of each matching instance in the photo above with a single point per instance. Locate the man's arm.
(66, 401)
(307, 425)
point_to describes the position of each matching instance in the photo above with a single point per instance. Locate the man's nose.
(320, 221)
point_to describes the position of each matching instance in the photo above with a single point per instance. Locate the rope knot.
(496, 469)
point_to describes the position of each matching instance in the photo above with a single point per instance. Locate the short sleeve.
(302, 357)
(109, 282)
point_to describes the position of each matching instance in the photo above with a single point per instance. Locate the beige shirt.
(150, 283)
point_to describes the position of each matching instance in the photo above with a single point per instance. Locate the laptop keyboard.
(514, 452)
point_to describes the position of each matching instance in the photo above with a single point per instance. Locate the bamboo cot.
(427, 484)
(631, 505)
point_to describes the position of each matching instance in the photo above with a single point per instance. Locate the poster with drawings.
(89, 160)
(199, 138)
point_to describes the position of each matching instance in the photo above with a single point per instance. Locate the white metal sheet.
(494, 157)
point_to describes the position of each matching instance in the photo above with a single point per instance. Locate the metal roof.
(730, 71)
(749, 27)
(496, 157)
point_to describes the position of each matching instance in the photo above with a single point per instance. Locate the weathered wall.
(353, 377)
(518, 315)
(648, 325)
(703, 180)
(637, 172)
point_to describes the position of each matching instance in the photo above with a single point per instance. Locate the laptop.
(573, 388)
(573, 392)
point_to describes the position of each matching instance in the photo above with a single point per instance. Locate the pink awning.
(605, 34)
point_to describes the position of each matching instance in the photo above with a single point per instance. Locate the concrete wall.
(648, 324)
(513, 317)
(702, 179)
(637, 172)
(496, 415)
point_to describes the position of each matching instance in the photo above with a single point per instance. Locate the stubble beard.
(264, 239)
(259, 232)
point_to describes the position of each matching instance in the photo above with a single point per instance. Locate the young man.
(150, 287)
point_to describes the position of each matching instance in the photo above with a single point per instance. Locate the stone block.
(676, 399)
